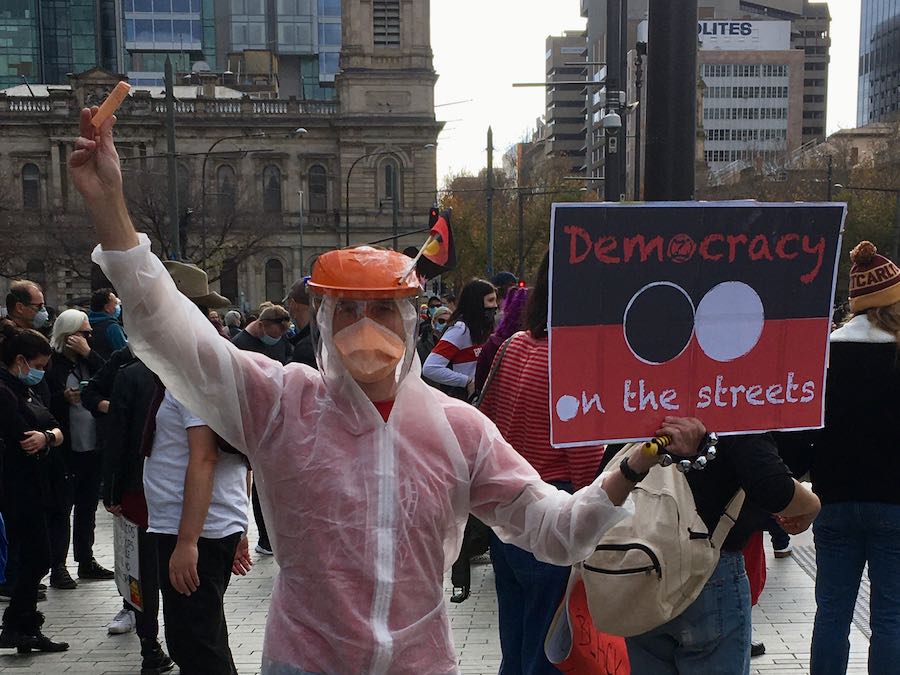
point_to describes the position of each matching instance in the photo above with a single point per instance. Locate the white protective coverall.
(365, 516)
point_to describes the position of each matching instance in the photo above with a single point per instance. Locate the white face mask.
(370, 352)
(41, 319)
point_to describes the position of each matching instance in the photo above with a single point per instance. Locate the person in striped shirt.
(453, 360)
(516, 400)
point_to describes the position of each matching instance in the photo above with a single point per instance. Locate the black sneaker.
(61, 579)
(92, 570)
(154, 660)
(757, 649)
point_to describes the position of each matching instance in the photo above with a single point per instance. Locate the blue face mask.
(32, 377)
(440, 326)
(269, 341)
(117, 312)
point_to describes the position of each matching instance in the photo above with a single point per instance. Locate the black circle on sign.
(659, 322)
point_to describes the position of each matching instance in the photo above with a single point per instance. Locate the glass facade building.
(45, 40)
(878, 96)
(183, 30)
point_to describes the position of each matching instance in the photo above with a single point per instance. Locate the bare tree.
(231, 230)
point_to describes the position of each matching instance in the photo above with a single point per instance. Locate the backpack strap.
(727, 519)
(497, 360)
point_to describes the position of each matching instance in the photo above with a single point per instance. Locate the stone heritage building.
(262, 182)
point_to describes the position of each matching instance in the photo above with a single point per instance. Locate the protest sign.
(719, 310)
(128, 570)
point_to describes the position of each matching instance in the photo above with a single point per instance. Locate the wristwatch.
(630, 474)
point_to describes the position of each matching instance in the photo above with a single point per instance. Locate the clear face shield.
(368, 341)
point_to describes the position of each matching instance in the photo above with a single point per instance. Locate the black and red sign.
(719, 310)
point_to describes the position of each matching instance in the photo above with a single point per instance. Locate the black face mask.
(490, 315)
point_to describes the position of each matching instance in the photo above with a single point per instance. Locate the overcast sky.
(482, 46)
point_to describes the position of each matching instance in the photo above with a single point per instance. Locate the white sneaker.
(263, 551)
(122, 623)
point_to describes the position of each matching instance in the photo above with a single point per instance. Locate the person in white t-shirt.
(197, 500)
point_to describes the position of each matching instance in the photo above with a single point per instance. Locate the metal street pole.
(640, 50)
(300, 227)
(489, 195)
(671, 100)
(830, 177)
(611, 153)
(521, 197)
(395, 215)
(347, 190)
(171, 164)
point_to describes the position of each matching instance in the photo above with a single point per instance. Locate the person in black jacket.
(854, 466)
(713, 634)
(29, 432)
(130, 402)
(74, 363)
(300, 337)
(267, 335)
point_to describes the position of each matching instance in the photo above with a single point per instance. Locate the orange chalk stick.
(111, 104)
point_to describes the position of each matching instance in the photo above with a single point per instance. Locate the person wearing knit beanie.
(874, 279)
(854, 466)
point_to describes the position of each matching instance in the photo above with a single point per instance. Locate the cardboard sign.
(128, 569)
(574, 645)
(717, 310)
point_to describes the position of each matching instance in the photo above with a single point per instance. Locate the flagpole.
(415, 260)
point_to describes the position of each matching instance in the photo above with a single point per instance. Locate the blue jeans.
(848, 535)
(711, 637)
(528, 593)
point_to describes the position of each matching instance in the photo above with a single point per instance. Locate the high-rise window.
(386, 23)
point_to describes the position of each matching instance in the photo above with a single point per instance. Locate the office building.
(44, 40)
(565, 103)
(878, 97)
(752, 93)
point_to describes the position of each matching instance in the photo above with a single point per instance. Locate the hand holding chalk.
(111, 104)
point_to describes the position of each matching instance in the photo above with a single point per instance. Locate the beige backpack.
(650, 567)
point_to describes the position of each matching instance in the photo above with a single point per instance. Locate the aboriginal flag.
(440, 253)
(720, 311)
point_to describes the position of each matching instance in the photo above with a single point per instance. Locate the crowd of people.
(183, 416)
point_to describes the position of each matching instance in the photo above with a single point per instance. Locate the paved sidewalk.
(783, 620)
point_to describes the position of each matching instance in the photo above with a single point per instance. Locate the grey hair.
(67, 323)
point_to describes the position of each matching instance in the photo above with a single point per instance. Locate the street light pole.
(171, 164)
(396, 215)
(203, 188)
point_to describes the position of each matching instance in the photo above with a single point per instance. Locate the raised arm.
(237, 393)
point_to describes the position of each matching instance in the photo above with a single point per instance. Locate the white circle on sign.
(729, 321)
(567, 407)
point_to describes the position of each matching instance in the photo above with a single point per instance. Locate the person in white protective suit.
(366, 473)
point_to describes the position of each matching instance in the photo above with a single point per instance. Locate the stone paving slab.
(783, 620)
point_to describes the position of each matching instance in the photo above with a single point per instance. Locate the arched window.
(390, 180)
(272, 189)
(318, 189)
(226, 184)
(274, 280)
(31, 187)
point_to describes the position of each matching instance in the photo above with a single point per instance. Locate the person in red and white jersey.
(453, 360)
